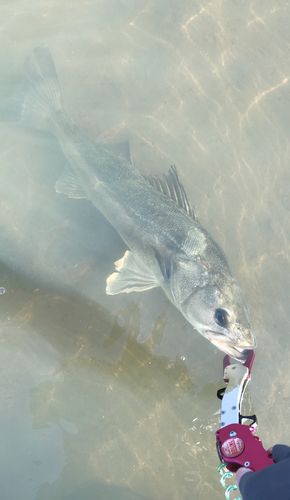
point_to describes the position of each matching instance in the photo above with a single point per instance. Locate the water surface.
(87, 412)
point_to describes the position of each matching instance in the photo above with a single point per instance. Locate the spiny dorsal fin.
(171, 186)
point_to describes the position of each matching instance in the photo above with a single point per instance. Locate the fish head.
(214, 305)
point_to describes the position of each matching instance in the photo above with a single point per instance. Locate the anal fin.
(69, 184)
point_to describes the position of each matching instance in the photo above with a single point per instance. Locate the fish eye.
(222, 317)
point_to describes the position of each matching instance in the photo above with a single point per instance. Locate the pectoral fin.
(187, 276)
(69, 184)
(131, 276)
(162, 254)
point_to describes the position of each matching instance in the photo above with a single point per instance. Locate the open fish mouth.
(237, 353)
(228, 347)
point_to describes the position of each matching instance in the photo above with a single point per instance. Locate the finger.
(240, 472)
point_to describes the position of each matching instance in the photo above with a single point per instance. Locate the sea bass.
(167, 246)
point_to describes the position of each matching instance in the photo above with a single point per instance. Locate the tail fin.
(42, 99)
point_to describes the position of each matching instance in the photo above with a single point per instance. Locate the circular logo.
(233, 447)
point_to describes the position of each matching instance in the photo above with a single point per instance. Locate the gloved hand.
(271, 483)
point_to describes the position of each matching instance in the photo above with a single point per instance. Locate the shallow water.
(86, 411)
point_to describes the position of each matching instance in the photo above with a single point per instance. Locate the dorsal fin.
(121, 149)
(171, 186)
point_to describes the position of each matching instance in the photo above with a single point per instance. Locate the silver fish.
(168, 247)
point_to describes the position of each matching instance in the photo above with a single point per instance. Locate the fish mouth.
(228, 347)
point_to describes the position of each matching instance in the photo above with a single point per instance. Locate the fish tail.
(42, 104)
